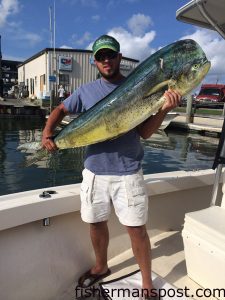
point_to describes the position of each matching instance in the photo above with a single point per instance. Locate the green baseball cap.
(106, 42)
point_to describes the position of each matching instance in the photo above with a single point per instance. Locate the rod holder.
(44, 195)
(46, 222)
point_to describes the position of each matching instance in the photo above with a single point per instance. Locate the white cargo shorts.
(127, 193)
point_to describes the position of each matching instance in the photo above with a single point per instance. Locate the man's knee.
(139, 232)
(98, 225)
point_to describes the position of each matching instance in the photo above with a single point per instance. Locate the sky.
(141, 26)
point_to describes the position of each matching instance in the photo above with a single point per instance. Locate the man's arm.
(54, 119)
(152, 124)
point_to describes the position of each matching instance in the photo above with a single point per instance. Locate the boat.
(45, 246)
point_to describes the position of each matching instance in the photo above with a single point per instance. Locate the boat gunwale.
(25, 207)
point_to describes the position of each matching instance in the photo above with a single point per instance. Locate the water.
(163, 153)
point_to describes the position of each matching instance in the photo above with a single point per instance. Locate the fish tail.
(30, 146)
(35, 152)
(37, 156)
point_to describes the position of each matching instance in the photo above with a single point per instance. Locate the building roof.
(11, 62)
(63, 50)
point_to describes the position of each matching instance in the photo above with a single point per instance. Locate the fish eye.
(196, 66)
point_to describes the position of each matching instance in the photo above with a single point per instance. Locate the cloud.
(90, 3)
(133, 46)
(14, 30)
(132, 1)
(24, 37)
(84, 39)
(214, 47)
(31, 38)
(134, 41)
(65, 47)
(117, 3)
(139, 23)
(87, 3)
(15, 58)
(95, 18)
(7, 8)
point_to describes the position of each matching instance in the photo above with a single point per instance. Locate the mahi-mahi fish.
(180, 66)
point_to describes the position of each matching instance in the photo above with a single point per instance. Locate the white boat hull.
(44, 262)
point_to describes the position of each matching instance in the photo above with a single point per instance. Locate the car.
(211, 95)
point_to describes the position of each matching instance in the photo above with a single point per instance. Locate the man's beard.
(112, 75)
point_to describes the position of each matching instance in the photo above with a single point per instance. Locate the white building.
(49, 68)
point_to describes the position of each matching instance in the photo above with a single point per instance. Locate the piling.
(189, 109)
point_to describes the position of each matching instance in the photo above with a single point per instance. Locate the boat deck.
(51, 258)
(168, 262)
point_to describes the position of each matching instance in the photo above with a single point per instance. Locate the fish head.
(191, 69)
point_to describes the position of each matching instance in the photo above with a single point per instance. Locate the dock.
(205, 125)
(23, 108)
(20, 108)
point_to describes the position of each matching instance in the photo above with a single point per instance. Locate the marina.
(210, 125)
(20, 108)
(46, 247)
(165, 151)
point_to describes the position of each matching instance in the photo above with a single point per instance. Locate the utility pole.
(52, 61)
(1, 80)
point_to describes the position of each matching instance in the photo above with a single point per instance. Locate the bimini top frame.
(208, 14)
(205, 13)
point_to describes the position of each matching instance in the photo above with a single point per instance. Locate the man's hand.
(48, 143)
(54, 119)
(147, 128)
(173, 99)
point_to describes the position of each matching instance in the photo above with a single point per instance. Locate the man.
(112, 168)
(61, 93)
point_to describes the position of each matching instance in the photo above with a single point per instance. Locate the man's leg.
(100, 239)
(142, 251)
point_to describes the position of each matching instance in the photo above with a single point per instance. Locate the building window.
(64, 79)
(42, 82)
(31, 85)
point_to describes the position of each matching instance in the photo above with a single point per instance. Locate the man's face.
(108, 62)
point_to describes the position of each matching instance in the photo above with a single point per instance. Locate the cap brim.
(106, 47)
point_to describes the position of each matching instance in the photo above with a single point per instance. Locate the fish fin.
(162, 86)
(40, 155)
(30, 146)
(34, 158)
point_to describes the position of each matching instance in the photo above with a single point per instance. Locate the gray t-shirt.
(120, 156)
